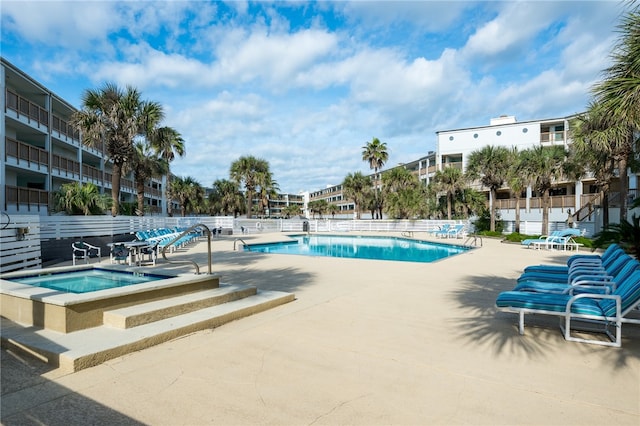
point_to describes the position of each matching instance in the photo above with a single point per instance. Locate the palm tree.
(318, 206)
(168, 143)
(355, 187)
(110, 116)
(188, 192)
(333, 209)
(247, 170)
(594, 134)
(375, 153)
(268, 189)
(146, 164)
(449, 180)
(291, 210)
(517, 182)
(543, 166)
(226, 197)
(76, 198)
(491, 165)
(405, 197)
(619, 95)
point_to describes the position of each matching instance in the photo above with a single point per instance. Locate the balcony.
(553, 138)
(65, 166)
(65, 129)
(25, 108)
(25, 154)
(25, 199)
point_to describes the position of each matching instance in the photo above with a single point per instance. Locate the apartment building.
(42, 151)
(580, 197)
(453, 148)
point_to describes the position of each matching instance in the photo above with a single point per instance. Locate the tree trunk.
(140, 197)
(115, 188)
(249, 203)
(624, 187)
(605, 207)
(492, 213)
(517, 225)
(545, 212)
(166, 196)
(449, 196)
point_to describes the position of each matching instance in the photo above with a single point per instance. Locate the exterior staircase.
(140, 326)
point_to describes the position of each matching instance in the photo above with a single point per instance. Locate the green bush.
(483, 223)
(516, 237)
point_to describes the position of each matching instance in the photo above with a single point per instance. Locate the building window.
(498, 133)
(475, 136)
(450, 138)
(525, 130)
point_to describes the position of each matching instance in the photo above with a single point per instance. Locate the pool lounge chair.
(604, 310)
(587, 283)
(556, 238)
(443, 231)
(611, 268)
(456, 232)
(609, 255)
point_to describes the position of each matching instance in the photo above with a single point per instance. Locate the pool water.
(86, 280)
(361, 247)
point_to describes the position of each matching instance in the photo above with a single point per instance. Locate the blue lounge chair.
(610, 268)
(605, 310)
(443, 231)
(555, 238)
(594, 283)
(608, 256)
(456, 232)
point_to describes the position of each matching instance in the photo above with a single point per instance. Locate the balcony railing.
(64, 128)
(557, 201)
(25, 199)
(25, 152)
(91, 173)
(65, 165)
(553, 137)
(26, 108)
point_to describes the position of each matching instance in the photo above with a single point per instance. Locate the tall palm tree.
(375, 153)
(491, 165)
(110, 116)
(449, 180)
(226, 197)
(592, 133)
(168, 142)
(517, 182)
(247, 170)
(188, 192)
(355, 187)
(405, 197)
(146, 164)
(619, 96)
(543, 166)
(268, 189)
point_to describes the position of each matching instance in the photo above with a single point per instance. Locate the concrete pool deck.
(365, 342)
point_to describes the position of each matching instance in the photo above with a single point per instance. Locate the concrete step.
(86, 348)
(145, 313)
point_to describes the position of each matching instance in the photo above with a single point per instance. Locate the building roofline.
(510, 124)
(5, 62)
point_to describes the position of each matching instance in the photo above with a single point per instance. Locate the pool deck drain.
(140, 326)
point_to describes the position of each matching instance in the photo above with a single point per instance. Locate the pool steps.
(140, 326)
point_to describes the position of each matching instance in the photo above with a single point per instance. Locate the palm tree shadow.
(483, 323)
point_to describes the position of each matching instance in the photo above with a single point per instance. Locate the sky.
(306, 85)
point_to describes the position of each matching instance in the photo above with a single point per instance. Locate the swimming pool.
(362, 247)
(87, 280)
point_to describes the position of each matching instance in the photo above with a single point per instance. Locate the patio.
(365, 342)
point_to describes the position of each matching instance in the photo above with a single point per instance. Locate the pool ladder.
(243, 243)
(182, 234)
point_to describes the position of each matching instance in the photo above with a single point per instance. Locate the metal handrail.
(191, 228)
(473, 239)
(243, 242)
